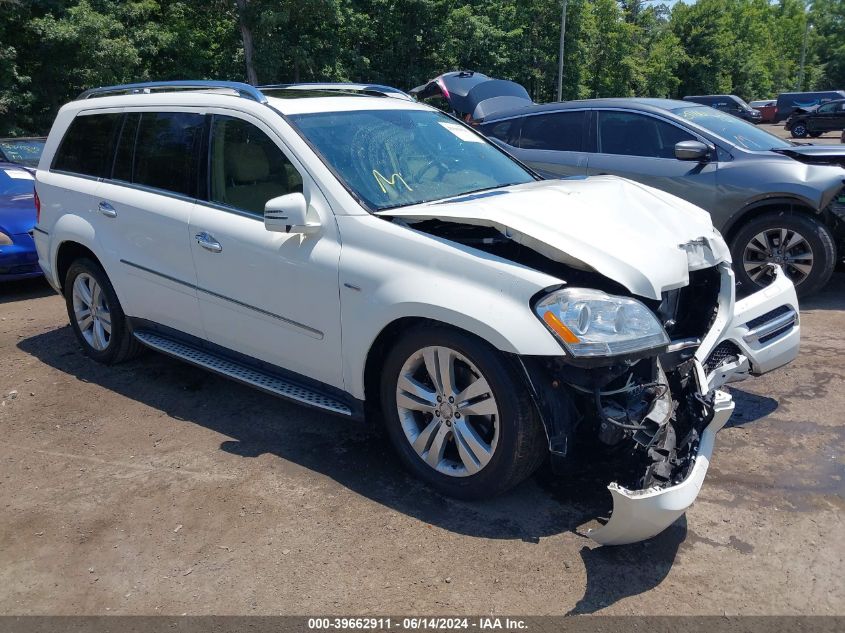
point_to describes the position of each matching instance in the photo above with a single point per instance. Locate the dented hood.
(645, 239)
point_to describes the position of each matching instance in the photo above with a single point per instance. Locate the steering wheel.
(432, 164)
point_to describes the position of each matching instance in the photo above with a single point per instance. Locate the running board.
(241, 373)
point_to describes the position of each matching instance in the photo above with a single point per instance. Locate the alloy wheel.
(787, 248)
(91, 311)
(448, 411)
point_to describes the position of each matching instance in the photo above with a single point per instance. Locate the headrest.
(247, 162)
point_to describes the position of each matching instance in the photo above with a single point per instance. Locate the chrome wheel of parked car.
(787, 248)
(802, 245)
(448, 411)
(91, 311)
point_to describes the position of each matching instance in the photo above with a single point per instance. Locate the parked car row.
(371, 256)
(774, 201)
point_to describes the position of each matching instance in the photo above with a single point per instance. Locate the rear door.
(144, 208)
(553, 143)
(641, 147)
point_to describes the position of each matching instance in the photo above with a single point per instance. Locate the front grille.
(769, 316)
(724, 352)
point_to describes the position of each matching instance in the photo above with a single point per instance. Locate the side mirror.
(692, 150)
(287, 214)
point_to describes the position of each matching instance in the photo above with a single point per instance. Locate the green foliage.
(50, 50)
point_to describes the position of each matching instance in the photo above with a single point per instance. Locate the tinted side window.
(630, 134)
(502, 130)
(247, 168)
(167, 151)
(560, 131)
(87, 146)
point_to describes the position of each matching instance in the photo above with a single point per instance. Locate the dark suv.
(815, 121)
(774, 201)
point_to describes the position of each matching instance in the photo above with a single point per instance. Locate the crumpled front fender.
(642, 514)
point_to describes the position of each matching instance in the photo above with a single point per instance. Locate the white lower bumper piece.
(641, 514)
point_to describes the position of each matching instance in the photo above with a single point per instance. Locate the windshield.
(730, 128)
(24, 151)
(394, 158)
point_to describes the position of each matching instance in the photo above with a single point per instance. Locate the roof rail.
(243, 90)
(370, 89)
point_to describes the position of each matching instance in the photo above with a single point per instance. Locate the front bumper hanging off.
(641, 514)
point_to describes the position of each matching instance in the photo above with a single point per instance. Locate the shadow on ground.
(362, 460)
(831, 297)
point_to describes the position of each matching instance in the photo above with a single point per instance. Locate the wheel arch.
(385, 340)
(68, 252)
(752, 210)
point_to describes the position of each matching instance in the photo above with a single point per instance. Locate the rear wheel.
(459, 415)
(95, 314)
(815, 134)
(801, 245)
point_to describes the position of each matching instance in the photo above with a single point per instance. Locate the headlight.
(593, 323)
(5, 240)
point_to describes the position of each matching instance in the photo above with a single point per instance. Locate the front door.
(642, 147)
(271, 296)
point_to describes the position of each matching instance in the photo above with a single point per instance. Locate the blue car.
(18, 259)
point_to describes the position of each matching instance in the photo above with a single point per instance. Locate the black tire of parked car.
(122, 344)
(798, 130)
(814, 231)
(521, 446)
(815, 134)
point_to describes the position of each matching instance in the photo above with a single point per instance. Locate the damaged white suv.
(343, 247)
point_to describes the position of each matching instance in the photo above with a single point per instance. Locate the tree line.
(51, 50)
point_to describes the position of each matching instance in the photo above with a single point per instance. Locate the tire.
(815, 134)
(798, 130)
(104, 346)
(814, 270)
(514, 434)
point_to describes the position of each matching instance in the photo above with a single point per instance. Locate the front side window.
(167, 151)
(632, 134)
(86, 148)
(247, 168)
(828, 108)
(559, 131)
(392, 158)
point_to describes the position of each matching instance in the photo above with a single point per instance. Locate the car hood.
(645, 239)
(17, 214)
(815, 154)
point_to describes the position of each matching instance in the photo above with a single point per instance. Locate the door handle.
(107, 210)
(208, 242)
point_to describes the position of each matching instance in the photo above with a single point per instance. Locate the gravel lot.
(154, 487)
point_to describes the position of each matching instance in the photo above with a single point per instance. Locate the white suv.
(369, 255)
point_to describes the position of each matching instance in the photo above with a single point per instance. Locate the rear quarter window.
(86, 148)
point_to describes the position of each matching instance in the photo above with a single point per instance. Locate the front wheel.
(799, 130)
(459, 415)
(800, 244)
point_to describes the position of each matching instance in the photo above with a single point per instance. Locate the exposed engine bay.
(647, 406)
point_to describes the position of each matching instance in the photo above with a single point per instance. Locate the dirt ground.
(157, 488)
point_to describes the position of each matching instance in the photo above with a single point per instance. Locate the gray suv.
(773, 200)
